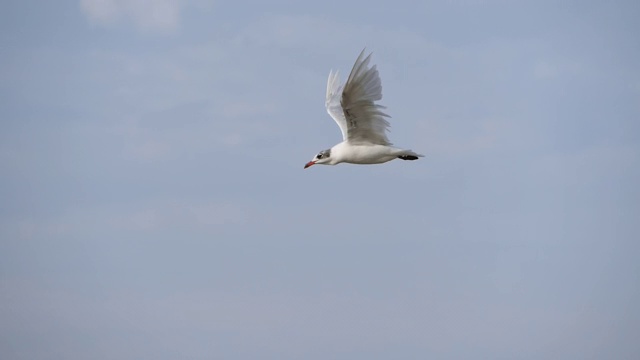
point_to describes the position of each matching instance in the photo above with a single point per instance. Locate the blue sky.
(154, 204)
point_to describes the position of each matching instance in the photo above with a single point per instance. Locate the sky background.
(153, 202)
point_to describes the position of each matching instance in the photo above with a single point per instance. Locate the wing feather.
(332, 102)
(353, 106)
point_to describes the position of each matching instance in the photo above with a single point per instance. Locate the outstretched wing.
(353, 105)
(332, 102)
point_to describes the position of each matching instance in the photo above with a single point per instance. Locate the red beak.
(309, 164)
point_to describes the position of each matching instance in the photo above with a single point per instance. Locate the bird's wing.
(332, 102)
(361, 119)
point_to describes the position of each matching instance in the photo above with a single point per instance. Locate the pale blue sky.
(153, 203)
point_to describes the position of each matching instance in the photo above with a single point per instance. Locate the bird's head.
(323, 157)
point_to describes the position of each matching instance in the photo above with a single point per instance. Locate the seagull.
(362, 122)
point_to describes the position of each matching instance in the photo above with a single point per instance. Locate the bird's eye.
(319, 156)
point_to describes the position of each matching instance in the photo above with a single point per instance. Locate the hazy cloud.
(147, 15)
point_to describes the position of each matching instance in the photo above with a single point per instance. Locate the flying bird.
(362, 121)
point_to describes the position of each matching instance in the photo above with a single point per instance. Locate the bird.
(363, 123)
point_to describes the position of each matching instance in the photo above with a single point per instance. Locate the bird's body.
(365, 153)
(360, 119)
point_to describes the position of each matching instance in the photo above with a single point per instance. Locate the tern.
(362, 121)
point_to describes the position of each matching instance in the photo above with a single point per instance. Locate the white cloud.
(148, 15)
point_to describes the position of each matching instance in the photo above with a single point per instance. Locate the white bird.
(360, 119)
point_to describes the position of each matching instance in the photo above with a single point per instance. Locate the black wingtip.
(408, 157)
